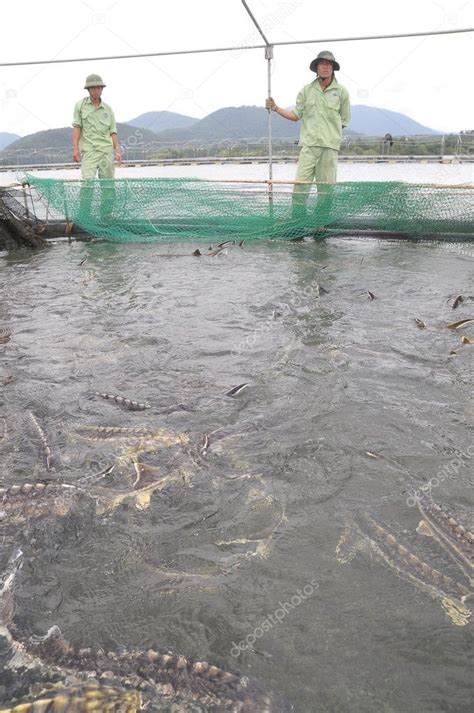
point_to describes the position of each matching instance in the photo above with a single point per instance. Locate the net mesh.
(174, 209)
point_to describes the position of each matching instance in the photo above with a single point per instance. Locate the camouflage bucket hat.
(324, 55)
(94, 80)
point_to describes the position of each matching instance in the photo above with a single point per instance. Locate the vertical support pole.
(269, 57)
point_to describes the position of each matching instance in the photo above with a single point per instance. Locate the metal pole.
(244, 3)
(268, 57)
(321, 40)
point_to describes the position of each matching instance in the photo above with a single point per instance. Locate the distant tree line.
(134, 148)
(449, 145)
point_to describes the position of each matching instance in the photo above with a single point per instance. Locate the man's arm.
(76, 131)
(345, 109)
(271, 104)
(114, 137)
(115, 142)
(76, 135)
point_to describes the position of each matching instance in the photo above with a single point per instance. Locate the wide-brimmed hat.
(324, 55)
(94, 80)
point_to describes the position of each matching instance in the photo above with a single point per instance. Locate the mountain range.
(252, 121)
(6, 139)
(60, 142)
(228, 123)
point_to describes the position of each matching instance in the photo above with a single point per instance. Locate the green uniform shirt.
(97, 125)
(324, 113)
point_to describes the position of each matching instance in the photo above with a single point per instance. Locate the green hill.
(228, 124)
(56, 145)
(233, 123)
(374, 121)
(162, 120)
(252, 122)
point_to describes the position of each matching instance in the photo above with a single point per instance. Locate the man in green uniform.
(94, 134)
(95, 145)
(324, 107)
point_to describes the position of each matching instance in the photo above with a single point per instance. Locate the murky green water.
(248, 529)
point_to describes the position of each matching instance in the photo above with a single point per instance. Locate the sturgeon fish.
(47, 450)
(134, 440)
(20, 503)
(131, 434)
(122, 401)
(364, 533)
(85, 698)
(198, 685)
(448, 532)
(30, 501)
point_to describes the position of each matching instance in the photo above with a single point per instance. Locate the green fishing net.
(183, 209)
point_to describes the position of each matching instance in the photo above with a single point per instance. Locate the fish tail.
(348, 545)
(458, 613)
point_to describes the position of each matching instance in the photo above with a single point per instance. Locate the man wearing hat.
(94, 134)
(324, 107)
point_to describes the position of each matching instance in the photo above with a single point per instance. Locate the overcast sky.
(427, 78)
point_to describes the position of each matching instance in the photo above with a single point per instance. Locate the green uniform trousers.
(314, 164)
(93, 164)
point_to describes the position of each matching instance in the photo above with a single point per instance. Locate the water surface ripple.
(334, 379)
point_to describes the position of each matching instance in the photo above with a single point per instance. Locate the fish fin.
(458, 613)
(236, 390)
(146, 475)
(348, 545)
(90, 479)
(424, 528)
